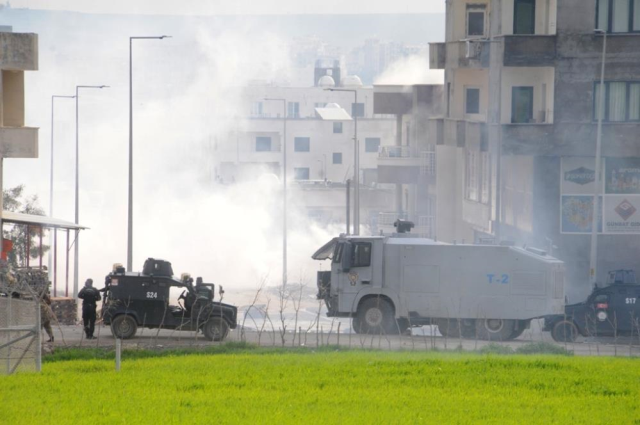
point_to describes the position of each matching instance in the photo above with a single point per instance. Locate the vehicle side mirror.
(347, 251)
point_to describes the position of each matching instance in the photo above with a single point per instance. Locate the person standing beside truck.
(89, 296)
(45, 315)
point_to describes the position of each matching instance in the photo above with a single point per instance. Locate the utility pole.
(595, 215)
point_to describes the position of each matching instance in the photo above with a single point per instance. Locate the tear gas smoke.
(186, 100)
(409, 71)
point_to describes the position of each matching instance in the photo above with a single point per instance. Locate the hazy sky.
(217, 7)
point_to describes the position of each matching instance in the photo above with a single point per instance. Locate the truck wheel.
(494, 329)
(124, 327)
(564, 331)
(468, 329)
(376, 316)
(449, 328)
(216, 329)
(516, 333)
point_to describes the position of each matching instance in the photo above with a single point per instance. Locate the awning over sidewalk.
(39, 220)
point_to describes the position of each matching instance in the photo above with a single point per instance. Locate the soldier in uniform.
(45, 315)
(89, 296)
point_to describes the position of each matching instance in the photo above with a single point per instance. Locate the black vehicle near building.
(613, 310)
(134, 299)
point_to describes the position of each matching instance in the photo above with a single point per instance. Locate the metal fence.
(20, 348)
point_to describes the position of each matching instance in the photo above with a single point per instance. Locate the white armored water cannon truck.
(388, 284)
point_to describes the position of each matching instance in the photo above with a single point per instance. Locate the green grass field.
(327, 387)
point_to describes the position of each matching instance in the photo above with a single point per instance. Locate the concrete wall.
(18, 51)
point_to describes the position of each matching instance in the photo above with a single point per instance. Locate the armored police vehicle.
(387, 284)
(135, 300)
(609, 311)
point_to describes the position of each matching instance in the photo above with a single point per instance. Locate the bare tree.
(252, 305)
(283, 302)
(297, 302)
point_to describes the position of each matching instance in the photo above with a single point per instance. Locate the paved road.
(427, 339)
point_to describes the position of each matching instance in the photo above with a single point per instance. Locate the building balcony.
(529, 50)
(523, 139)
(459, 54)
(18, 52)
(19, 142)
(405, 164)
(570, 139)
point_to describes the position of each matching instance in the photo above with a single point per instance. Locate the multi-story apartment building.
(520, 118)
(19, 53)
(320, 153)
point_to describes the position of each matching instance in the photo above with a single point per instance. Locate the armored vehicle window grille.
(601, 298)
(361, 254)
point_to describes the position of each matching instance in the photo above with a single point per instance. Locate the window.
(256, 109)
(524, 17)
(475, 20)
(337, 157)
(621, 101)
(337, 127)
(371, 144)
(293, 110)
(471, 176)
(357, 110)
(301, 173)
(337, 253)
(361, 254)
(618, 15)
(263, 144)
(472, 100)
(521, 105)
(301, 144)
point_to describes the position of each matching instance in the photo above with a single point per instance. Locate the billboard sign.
(577, 213)
(578, 175)
(622, 214)
(622, 176)
(619, 208)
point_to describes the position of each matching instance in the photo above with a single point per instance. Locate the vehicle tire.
(402, 325)
(355, 325)
(468, 329)
(564, 331)
(376, 316)
(449, 328)
(517, 332)
(494, 329)
(215, 329)
(124, 327)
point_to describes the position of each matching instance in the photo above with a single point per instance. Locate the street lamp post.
(55, 235)
(130, 201)
(356, 163)
(597, 189)
(284, 187)
(77, 217)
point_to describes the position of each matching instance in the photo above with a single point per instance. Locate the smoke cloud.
(410, 70)
(186, 102)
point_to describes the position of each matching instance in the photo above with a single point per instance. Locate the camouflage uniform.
(45, 316)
